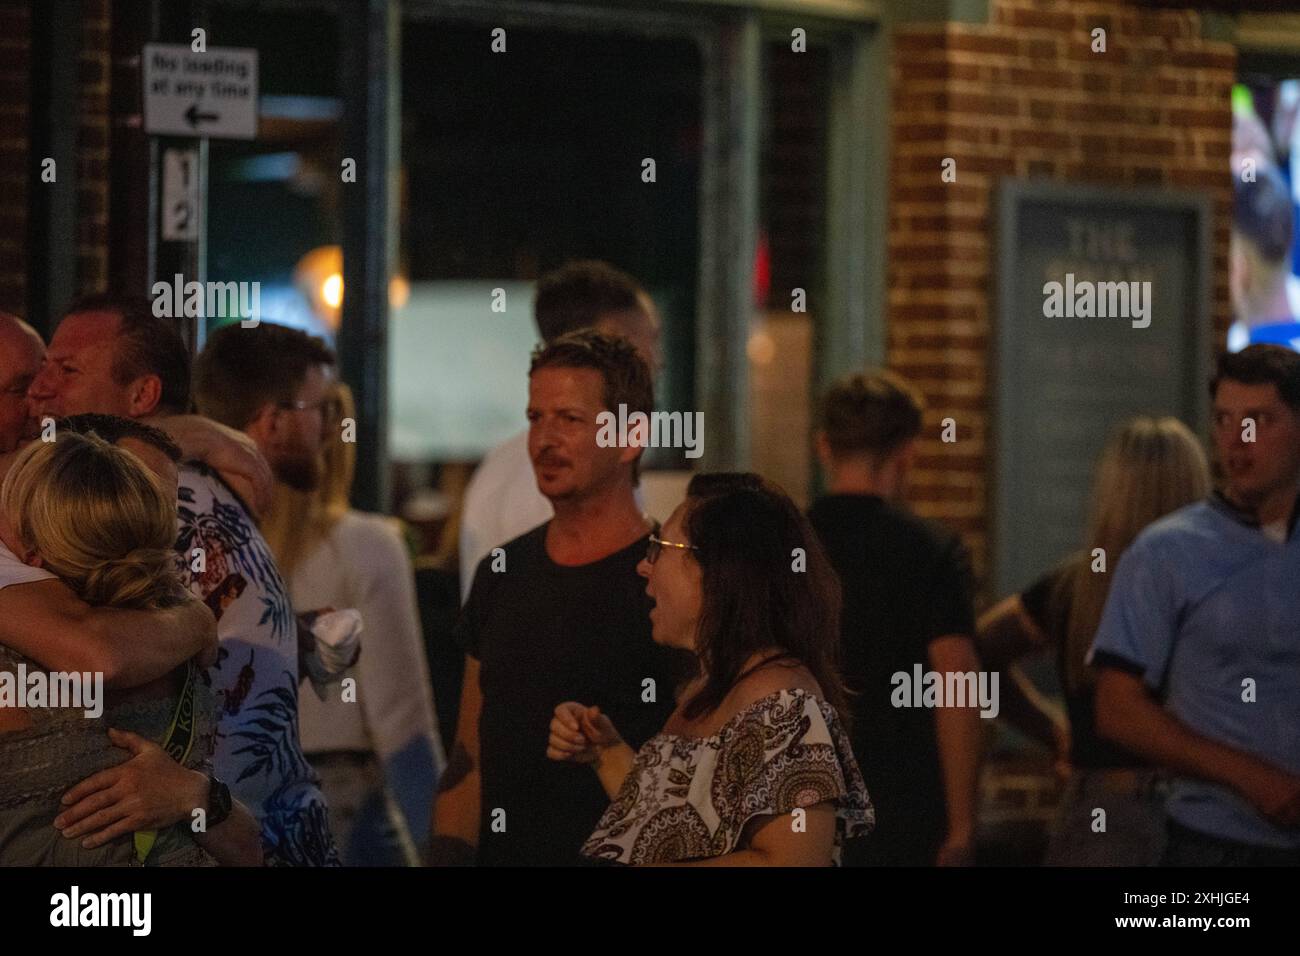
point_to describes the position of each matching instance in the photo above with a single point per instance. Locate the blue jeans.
(363, 819)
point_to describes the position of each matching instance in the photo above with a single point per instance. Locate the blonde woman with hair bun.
(74, 503)
(94, 515)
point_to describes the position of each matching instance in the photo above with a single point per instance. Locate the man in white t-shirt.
(502, 501)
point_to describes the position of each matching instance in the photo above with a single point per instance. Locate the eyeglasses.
(657, 544)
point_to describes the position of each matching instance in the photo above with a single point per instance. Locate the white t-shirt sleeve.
(13, 571)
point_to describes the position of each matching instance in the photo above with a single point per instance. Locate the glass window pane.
(513, 165)
(273, 202)
(789, 274)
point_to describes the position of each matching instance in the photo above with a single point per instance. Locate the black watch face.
(219, 802)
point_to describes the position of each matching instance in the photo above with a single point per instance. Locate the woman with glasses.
(754, 766)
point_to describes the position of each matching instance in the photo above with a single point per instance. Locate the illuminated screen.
(1264, 260)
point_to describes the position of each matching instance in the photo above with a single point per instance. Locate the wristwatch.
(219, 802)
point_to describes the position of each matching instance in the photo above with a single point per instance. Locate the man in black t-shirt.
(557, 614)
(907, 603)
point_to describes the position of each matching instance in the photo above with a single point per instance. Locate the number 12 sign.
(180, 195)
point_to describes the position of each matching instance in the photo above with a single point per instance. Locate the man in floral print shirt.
(113, 356)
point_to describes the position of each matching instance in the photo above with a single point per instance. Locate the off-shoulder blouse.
(689, 798)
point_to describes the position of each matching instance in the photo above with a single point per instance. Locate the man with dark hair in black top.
(907, 608)
(557, 614)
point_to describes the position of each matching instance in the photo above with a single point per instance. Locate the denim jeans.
(365, 823)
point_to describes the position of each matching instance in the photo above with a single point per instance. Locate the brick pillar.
(1024, 95)
(92, 147)
(15, 165)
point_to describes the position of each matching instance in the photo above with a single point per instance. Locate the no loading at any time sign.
(213, 93)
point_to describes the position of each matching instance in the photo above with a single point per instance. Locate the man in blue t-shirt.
(1199, 644)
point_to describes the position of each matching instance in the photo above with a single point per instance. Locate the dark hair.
(1262, 365)
(1262, 213)
(873, 413)
(625, 373)
(576, 295)
(746, 529)
(242, 369)
(113, 428)
(145, 344)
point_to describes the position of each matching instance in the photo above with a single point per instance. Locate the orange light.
(319, 277)
(399, 292)
(761, 348)
(331, 290)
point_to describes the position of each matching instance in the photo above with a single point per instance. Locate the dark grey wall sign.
(1102, 305)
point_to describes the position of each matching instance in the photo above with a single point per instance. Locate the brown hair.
(625, 373)
(240, 370)
(113, 428)
(299, 520)
(145, 344)
(1262, 365)
(576, 295)
(872, 414)
(745, 531)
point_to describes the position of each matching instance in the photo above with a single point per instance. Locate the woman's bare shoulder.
(771, 678)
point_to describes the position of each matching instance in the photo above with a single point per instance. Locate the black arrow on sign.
(194, 116)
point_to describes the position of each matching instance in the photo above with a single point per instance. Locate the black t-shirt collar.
(1247, 516)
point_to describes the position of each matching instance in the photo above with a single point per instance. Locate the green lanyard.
(178, 742)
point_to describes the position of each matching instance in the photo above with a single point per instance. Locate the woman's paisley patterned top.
(689, 798)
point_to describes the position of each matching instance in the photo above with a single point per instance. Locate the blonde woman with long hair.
(1149, 468)
(377, 751)
(95, 516)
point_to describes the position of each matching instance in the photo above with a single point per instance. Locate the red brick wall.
(15, 168)
(1024, 95)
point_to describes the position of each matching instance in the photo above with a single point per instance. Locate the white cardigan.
(364, 564)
